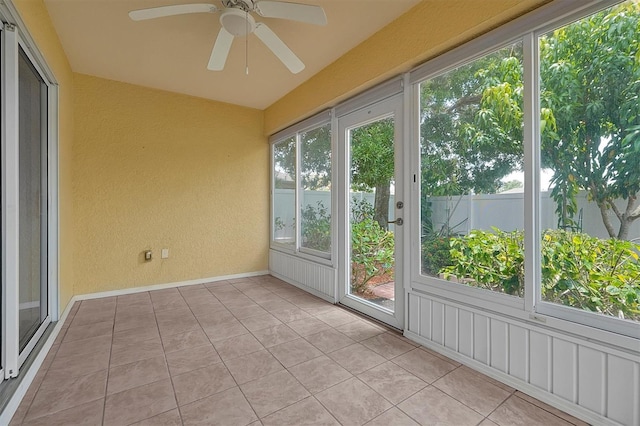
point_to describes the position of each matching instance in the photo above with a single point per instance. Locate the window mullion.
(531, 171)
(299, 198)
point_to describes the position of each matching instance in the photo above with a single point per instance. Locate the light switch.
(165, 253)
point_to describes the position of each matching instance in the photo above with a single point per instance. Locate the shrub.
(316, 227)
(491, 260)
(577, 269)
(372, 247)
(590, 273)
(436, 254)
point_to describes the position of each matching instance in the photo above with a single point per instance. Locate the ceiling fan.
(237, 21)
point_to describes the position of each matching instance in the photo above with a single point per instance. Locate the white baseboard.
(164, 286)
(566, 406)
(14, 402)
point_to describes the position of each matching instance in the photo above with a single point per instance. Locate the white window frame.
(615, 325)
(622, 333)
(511, 305)
(321, 119)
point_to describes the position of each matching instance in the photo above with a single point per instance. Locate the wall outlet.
(147, 255)
(165, 253)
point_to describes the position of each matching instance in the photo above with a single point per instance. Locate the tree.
(471, 125)
(590, 74)
(471, 119)
(372, 164)
(471, 129)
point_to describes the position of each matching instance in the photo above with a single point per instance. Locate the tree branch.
(631, 213)
(464, 101)
(616, 210)
(605, 219)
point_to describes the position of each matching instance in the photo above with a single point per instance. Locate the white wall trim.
(152, 287)
(542, 395)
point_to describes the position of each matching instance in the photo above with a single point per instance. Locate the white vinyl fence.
(463, 213)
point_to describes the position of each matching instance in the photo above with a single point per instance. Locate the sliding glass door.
(28, 221)
(32, 189)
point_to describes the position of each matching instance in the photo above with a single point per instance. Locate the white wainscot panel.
(414, 314)
(481, 338)
(540, 360)
(590, 380)
(426, 311)
(623, 402)
(591, 377)
(518, 352)
(499, 345)
(437, 322)
(465, 334)
(451, 329)
(310, 276)
(565, 363)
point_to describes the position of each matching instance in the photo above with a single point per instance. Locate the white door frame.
(392, 106)
(12, 40)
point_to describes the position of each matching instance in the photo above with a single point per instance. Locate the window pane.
(315, 175)
(472, 183)
(284, 192)
(590, 153)
(33, 200)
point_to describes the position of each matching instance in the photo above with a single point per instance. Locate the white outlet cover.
(165, 253)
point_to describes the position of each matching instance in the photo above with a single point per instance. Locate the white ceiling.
(172, 53)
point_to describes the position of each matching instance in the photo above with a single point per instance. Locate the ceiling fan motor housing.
(237, 22)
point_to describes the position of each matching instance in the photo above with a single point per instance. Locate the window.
(560, 107)
(590, 161)
(302, 197)
(315, 197)
(471, 151)
(284, 192)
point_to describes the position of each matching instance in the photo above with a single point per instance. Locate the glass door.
(33, 215)
(372, 212)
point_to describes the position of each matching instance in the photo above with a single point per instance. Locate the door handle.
(398, 221)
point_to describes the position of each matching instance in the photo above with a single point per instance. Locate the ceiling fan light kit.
(236, 21)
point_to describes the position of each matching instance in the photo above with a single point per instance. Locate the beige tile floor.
(254, 351)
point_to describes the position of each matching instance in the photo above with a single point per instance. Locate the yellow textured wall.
(35, 16)
(157, 170)
(427, 30)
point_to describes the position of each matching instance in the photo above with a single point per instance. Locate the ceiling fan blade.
(277, 46)
(293, 11)
(220, 50)
(180, 9)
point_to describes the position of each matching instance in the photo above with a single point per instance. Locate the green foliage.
(316, 227)
(592, 274)
(372, 155)
(372, 247)
(578, 270)
(436, 254)
(491, 260)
